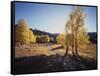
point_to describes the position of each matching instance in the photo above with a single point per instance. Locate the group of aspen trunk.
(75, 35)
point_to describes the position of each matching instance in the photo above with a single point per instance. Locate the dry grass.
(89, 52)
(37, 49)
(42, 49)
(31, 50)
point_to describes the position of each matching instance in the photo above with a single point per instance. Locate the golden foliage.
(64, 39)
(75, 27)
(23, 34)
(32, 37)
(83, 39)
(61, 39)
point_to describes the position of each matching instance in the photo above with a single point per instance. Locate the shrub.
(60, 38)
(23, 34)
(43, 39)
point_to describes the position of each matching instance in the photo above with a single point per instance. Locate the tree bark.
(73, 43)
(66, 53)
(73, 50)
(76, 51)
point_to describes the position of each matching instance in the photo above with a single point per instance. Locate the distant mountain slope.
(92, 35)
(39, 32)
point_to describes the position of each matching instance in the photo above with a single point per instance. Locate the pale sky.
(51, 18)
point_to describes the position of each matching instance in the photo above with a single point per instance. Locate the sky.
(51, 18)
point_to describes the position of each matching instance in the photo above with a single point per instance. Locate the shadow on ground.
(45, 64)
